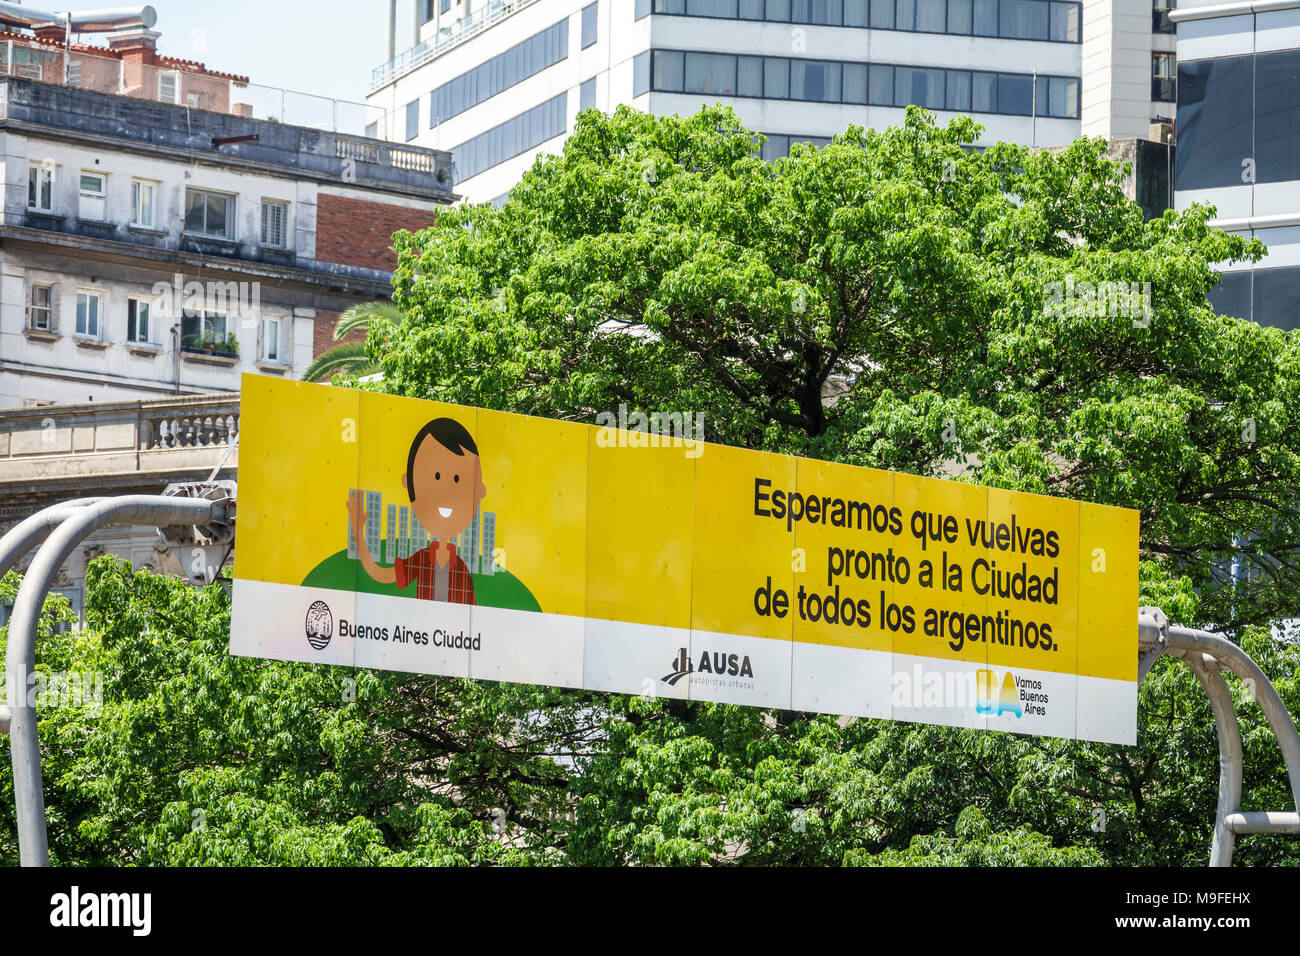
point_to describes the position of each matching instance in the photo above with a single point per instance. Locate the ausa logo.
(710, 662)
(319, 625)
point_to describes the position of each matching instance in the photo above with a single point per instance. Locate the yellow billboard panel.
(412, 535)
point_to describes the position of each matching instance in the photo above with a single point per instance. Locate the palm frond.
(346, 357)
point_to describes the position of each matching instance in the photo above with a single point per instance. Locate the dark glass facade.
(1052, 20)
(498, 74)
(881, 84)
(517, 135)
(1234, 109)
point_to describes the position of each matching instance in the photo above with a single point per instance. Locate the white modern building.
(1239, 143)
(1129, 70)
(498, 81)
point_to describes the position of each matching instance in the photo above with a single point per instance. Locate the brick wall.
(358, 232)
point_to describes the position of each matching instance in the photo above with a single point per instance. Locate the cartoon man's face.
(447, 488)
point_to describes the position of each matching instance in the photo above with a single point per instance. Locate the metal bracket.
(202, 550)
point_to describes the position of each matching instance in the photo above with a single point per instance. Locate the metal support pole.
(1207, 655)
(20, 657)
(1229, 733)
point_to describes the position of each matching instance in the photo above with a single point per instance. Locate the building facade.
(1129, 69)
(1239, 144)
(151, 249)
(498, 82)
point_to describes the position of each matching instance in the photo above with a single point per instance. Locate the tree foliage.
(861, 303)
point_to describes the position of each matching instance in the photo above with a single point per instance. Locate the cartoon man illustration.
(444, 480)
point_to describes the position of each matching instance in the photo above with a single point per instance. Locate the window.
(919, 86)
(710, 73)
(40, 307)
(1063, 98)
(192, 100)
(169, 86)
(1160, 22)
(641, 73)
(587, 95)
(1015, 94)
(776, 77)
(1023, 19)
(930, 16)
(426, 11)
(958, 94)
(444, 6)
(1055, 20)
(1276, 297)
(1164, 76)
(1277, 120)
(983, 92)
(880, 88)
(589, 13)
(1215, 107)
(204, 330)
(275, 223)
(40, 187)
(412, 119)
(88, 313)
(143, 203)
(1064, 26)
(517, 135)
(271, 339)
(855, 83)
(94, 193)
(501, 72)
(879, 84)
(668, 70)
(209, 213)
(816, 81)
(137, 320)
(959, 16)
(74, 73)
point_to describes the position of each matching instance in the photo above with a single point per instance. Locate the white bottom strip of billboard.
(293, 623)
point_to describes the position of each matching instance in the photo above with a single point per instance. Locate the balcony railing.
(465, 28)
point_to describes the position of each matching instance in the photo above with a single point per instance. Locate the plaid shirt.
(421, 568)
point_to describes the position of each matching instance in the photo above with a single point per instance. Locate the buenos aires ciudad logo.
(319, 625)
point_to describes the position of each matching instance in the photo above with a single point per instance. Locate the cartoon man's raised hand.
(357, 513)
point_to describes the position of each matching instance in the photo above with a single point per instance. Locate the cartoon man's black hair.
(448, 433)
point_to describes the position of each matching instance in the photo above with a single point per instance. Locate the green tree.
(850, 303)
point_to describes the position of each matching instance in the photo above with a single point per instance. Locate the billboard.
(393, 533)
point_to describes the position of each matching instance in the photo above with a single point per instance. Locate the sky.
(326, 47)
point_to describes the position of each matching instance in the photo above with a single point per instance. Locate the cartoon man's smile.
(445, 512)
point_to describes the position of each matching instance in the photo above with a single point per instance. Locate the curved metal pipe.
(20, 655)
(31, 531)
(1229, 734)
(1262, 689)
